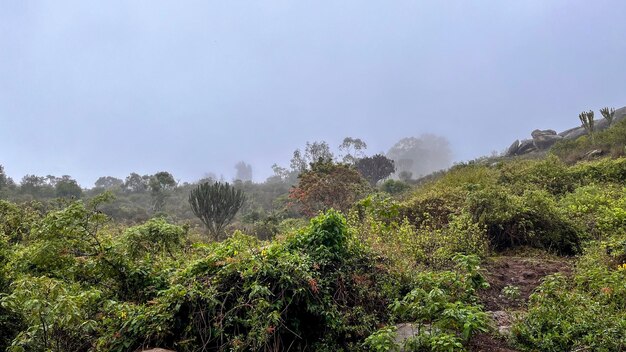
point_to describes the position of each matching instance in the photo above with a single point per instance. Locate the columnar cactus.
(586, 118)
(216, 205)
(608, 114)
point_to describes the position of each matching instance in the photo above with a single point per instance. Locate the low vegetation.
(343, 266)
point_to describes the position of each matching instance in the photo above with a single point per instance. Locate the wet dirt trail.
(523, 274)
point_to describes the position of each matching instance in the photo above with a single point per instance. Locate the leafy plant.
(317, 288)
(383, 340)
(153, 237)
(511, 292)
(394, 187)
(441, 309)
(60, 317)
(327, 186)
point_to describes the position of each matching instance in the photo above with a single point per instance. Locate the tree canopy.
(327, 185)
(375, 168)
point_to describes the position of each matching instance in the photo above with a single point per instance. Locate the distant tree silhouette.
(244, 171)
(160, 184)
(353, 149)
(375, 168)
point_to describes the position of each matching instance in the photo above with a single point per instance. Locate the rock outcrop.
(544, 139)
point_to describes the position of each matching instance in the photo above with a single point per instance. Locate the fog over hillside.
(99, 88)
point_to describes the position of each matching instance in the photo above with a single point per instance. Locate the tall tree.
(298, 162)
(313, 153)
(36, 186)
(352, 149)
(66, 187)
(136, 183)
(375, 168)
(108, 182)
(280, 172)
(3, 178)
(244, 171)
(6, 183)
(216, 205)
(421, 156)
(326, 186)
(318, 152)
(160, 185)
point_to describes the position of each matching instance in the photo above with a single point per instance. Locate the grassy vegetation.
(71, 279)
(611, 141)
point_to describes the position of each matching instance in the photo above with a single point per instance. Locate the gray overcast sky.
(95, 88)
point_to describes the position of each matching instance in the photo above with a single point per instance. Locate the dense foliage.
(367, 263)
(327, 186)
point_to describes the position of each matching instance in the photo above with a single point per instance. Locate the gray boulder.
(619, 114)
(544, 139)
(573, 133)
(512, 150)
(539, 133)
(601, 124)
(526, 146)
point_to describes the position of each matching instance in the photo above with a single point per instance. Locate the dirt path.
(521, 274)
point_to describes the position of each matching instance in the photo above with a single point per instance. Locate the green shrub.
(586, 311)
(153, 237)
(376, 221)
(436, 247)
(549, 174)
(441, 308)
(434, 205)
(318, 288)
(16, 220)
(603, 170)
(394, 187)
(531, 219)
(565, 316)
(446, 196)
(59, 244)
(326, 239)
(383, 340)
(611, 140)
(59, 317)
(10, 323)
(599, 209)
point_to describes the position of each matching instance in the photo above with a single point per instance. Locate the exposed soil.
(522, 272)
(488, 343)
(525, 273)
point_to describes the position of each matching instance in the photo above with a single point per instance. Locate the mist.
(93, 89)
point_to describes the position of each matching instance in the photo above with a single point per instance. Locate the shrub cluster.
(585, 312)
